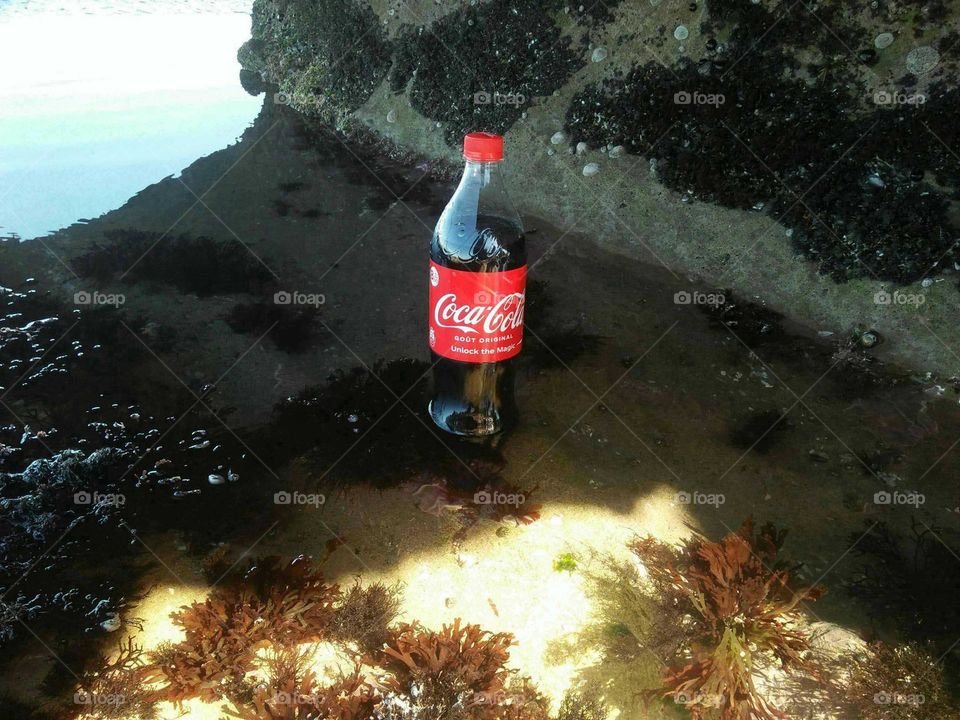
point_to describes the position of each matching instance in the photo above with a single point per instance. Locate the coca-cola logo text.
(505, 314)
(476, 317)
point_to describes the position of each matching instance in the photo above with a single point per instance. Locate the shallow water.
(96, 105)
(640, 413)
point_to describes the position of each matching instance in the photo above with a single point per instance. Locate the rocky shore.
(799, 155)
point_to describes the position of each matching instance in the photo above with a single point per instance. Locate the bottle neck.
(484, 187)
(482, 173)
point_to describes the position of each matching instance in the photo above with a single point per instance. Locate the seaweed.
(252, 643)
(291, 328)
(457, 671)
(201, 265)
(582, 706)
(291, 691)
(365, 614)
(120, 688)
(741, 617)
(907, 579)
(897, 682)
(270, 603)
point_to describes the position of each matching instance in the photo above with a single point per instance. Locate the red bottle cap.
(483, 147)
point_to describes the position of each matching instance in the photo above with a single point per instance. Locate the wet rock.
(48, 499)
(518, 46)
(332, 50)
(292, 328)
(700, 151)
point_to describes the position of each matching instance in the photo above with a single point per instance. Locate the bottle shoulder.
(490, 244)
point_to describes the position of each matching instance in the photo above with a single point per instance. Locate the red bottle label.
(476, 317)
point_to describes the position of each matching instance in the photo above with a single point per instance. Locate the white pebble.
(558, 138)
(922, 60)
(215, 479)
(617, 151)
(599, 54)
(392, 116)
(883, 40)
(581, 148)
(681, 33)
(590, 169)
(112, 623)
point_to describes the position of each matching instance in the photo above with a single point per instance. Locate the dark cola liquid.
(476, 399)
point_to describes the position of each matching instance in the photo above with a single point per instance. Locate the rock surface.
(774, 147)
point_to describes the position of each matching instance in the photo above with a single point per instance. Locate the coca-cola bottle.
(478, 269)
